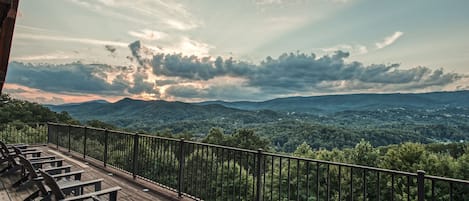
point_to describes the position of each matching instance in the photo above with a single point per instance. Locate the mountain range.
(322, 121)
(133, 113)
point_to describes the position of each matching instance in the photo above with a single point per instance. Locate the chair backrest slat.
(54, 187)
(28, 166)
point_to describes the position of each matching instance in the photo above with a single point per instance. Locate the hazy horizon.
(235, 50)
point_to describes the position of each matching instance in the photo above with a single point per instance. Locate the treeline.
(443, 159)
(14, 111)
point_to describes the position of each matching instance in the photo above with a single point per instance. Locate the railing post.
(84, 142)
(421, 185)
(181, 167)
(105, 147)
(57, 137)
(135, 157)
(258, 176)
(48, 132)
(68, 132)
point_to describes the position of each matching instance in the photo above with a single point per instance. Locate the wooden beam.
(5, 2)
(6, 36)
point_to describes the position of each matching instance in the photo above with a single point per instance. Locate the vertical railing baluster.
(351, 183)
(272, 179)
(450, 191)
(392, 186)
(222, 172)
(378, 185)
(317, 181)
(328, 182)
(339, 184)
(307, 180)
(297, 179)
(433, 189)
(280, 179)
(408, 188)
(364, 185)
(135, 157)
(288, 180)
(181, 167)
(264, 178)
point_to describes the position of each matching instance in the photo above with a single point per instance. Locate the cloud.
(188, 77)
(14, 90)
(147, 34)
(74, 77)
(223, 91)
(110, 48)
(88, 41)
(353, 49)
(180, 25)
(275, 2)
(292, 73)
(42, 57)
(389, 40)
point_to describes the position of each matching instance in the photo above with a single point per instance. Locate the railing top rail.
(92, 128)
(158, 137)
(445, 179)
(222, 147)
(343, 164)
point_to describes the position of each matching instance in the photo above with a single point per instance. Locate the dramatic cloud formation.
(74, 78)
(181, 77)
(389, 40)
(289, 74)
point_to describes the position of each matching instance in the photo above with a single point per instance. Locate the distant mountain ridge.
(354, 102)
(149, 114)
(132, 113)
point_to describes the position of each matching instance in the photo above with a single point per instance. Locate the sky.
(196, 50)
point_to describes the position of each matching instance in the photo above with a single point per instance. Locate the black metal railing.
(34, 133)
(214, 172)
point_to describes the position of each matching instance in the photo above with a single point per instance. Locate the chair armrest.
(77, 175)
(47, 161)
(31, 153)
(17, 145)
(96, 183)
(41, 158)
(52, 169)
(111, 191)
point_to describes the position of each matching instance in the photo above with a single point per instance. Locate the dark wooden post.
(6, 36)
(48, 132)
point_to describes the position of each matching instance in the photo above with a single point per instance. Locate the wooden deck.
(131, 189)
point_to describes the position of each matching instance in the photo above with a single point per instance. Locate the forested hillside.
(382, 119)
(14, 111)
